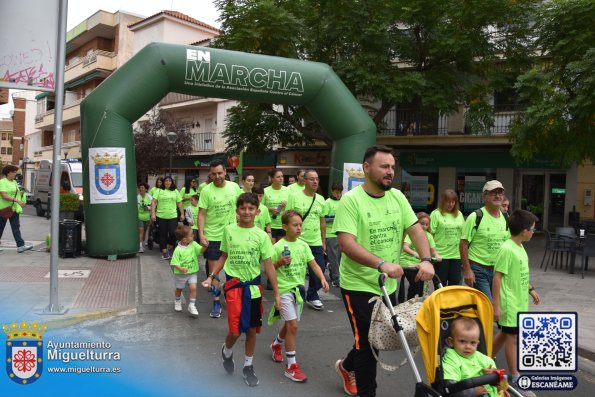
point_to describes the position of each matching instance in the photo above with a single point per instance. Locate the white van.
(71, 181)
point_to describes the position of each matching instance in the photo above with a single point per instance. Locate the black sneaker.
(228, 363)
(249, 376)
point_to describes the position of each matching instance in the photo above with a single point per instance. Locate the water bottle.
(215, 291)
(286, 251)
(279, 209)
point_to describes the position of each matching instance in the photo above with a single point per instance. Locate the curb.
(78, 318)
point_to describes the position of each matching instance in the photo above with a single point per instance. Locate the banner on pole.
(107, 175)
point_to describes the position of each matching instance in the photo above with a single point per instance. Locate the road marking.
(71, 274)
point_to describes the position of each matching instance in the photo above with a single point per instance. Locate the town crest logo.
(24, 351)
(107, 173)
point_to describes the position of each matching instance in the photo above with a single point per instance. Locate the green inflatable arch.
(108, 112)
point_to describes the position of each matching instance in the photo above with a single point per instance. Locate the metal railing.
(413, 121)
(203, 142)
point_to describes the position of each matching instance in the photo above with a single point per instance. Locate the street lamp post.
(171, 138)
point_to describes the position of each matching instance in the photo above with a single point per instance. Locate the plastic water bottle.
(286, 251)
(279, 209)
(215, 291)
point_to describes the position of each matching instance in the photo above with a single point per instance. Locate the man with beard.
(370, 221)
(216, 209)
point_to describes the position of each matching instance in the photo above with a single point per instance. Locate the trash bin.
(70, 236)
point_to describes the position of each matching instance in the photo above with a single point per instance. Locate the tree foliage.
(151, 147)
(559, 90)
(427, 53)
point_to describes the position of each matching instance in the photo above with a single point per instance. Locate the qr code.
(547, 341)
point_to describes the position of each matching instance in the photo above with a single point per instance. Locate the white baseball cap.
(492, 185)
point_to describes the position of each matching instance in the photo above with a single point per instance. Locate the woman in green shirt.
(10, 198)
(166, 201)
(189, 190)
(446, 225)
(247, 182)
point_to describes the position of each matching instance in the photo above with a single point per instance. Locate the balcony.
(72, 113)
(203, 142)
(413, 122)
(96, 60)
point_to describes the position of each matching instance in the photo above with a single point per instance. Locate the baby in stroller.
(463, 361)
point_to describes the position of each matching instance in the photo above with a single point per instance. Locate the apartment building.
(6, 141)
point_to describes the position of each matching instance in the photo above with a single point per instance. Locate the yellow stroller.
(433, 328)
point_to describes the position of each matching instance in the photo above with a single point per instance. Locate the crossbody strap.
(311, 204)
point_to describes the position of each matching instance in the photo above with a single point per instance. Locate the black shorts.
(509, 330)
(213, 251)
(277, 233)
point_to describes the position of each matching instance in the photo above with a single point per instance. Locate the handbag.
(7, 212)
(382, 334)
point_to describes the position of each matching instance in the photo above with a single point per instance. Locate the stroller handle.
(489, 379)
(408, 270)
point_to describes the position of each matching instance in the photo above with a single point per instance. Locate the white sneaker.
(24, 248)
(178, 305)
(141, 249)
(192, 310)
(315, 304)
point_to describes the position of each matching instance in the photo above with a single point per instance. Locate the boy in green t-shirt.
(291, 270)
(409, 257)
(332, 242)
(263, 219)
(242, 247)
(185, 266)
(462, 360)
(511, 288)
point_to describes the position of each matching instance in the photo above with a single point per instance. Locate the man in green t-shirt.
(311, 207)
(217, 209)
(370, 221)
(299, 184)
(480, 244)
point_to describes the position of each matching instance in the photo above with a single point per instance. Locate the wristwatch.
(426, 260)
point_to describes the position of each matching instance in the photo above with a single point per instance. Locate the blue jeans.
(483, 279)
(15, 226)
(314, 283)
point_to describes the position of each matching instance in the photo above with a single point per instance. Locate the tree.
(151, 147)
(559, 90)
(431, 54)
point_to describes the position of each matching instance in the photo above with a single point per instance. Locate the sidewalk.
(93, 288)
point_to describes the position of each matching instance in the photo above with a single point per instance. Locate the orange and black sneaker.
(348, 379)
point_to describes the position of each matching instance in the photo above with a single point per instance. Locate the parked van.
(71, 181)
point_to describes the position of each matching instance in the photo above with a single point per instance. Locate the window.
(4, 136)
(419, 185)
(3, 150)
(8, 150)
(506, 100)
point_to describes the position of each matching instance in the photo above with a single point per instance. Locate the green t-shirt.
(17, 208)
(311, 225)
(167, 203)
(262, 219)
(186, 256)
(294, 187)
(10, 188)
(220, 205)
(485, 241)
(272, 198)
(407, 259)
(186, 196)
(292, 275)
(144, 214)
(512, 261)
(245, 248)
(201, 186)
(152, 191)
(194, 209)
(329, 214)
(378, 225)
(459, 368)
(447, 231)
